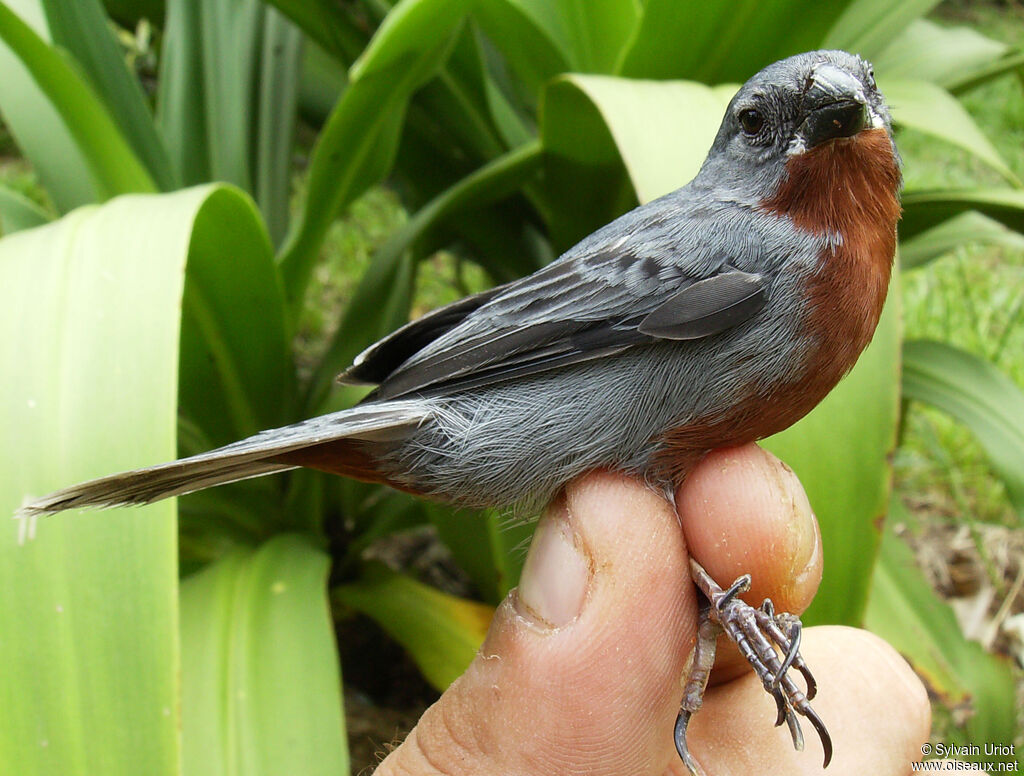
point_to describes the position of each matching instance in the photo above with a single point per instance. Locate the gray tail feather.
(237, 461)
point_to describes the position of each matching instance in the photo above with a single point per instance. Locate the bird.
(714, 316)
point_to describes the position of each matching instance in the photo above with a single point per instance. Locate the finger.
(869, 698)
(743, 511)
(580, 670)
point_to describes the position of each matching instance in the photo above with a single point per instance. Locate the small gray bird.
(714, 316)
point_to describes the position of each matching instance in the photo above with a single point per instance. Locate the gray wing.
(639, 280)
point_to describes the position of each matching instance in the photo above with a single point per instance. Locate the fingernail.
(802, 524)
(555, 576)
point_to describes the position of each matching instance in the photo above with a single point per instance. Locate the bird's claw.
(761, 635)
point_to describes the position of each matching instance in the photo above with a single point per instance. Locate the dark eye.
(752, 121)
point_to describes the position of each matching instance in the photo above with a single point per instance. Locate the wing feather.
(656, 274)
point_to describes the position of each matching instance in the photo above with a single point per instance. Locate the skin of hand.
(580, 671)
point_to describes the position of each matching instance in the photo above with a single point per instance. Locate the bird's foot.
(769, 641)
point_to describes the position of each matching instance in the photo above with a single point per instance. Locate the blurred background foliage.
(208, 208)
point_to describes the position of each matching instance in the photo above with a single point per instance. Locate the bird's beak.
(835, 106)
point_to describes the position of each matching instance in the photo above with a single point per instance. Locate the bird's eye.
(752, 121)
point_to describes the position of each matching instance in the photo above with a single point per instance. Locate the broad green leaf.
(323, 79)
(82, 28)
(390, 276)
(533, 53)
(866, 27)
(236, 372)
(966, 228)
(456, 103)
(411, 27)
(718, 42)
(977, 394)
(928, 108)
(841, 452)
(261, 689)
(587, 36)
(925, 209)
(237, 377)
(357, 145)
(439, 631)
(904, 610)
(278, 90)
(61, 125)
(596, 31)
(90, 605)
(18, 212)
(489, 546)
(379, 305)
(40, 133)
(1010, 64)
(229, 33)
(926, 51)
(180, 103)
(325, 22)
(375, 512)
(610, 142)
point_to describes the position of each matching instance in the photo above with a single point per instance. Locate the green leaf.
(278, 90)
(966, 228)
(230, 30)
(322, 81)
(610, 142)
(325, 22)
(379, 305)
(840, 452)
(866, 27)
(82, 28)
(18, 212)
(567, 34)
(925, 51)
(357, 145)
(261, 689)
(489, 546)
(93, 602)
(441, 632)
(90, 606)
(236, 371)
(40, 133)
(977, 394)
(718, 42)
(391, 273)
(531, 48)
(905, 611)
(924, 209)
(928, 108)
(595, 31)
(180, 103)
(60, 123)
(1010, 64)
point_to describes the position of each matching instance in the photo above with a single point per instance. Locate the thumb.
(581, 669)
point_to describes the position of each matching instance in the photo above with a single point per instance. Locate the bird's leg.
(761, 635)
(703, 660)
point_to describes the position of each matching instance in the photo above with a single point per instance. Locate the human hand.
(580, 672)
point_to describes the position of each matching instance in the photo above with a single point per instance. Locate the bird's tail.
(270, 451)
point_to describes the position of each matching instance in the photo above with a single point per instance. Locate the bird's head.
(789, 109)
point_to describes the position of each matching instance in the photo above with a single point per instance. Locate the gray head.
(787, 109)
